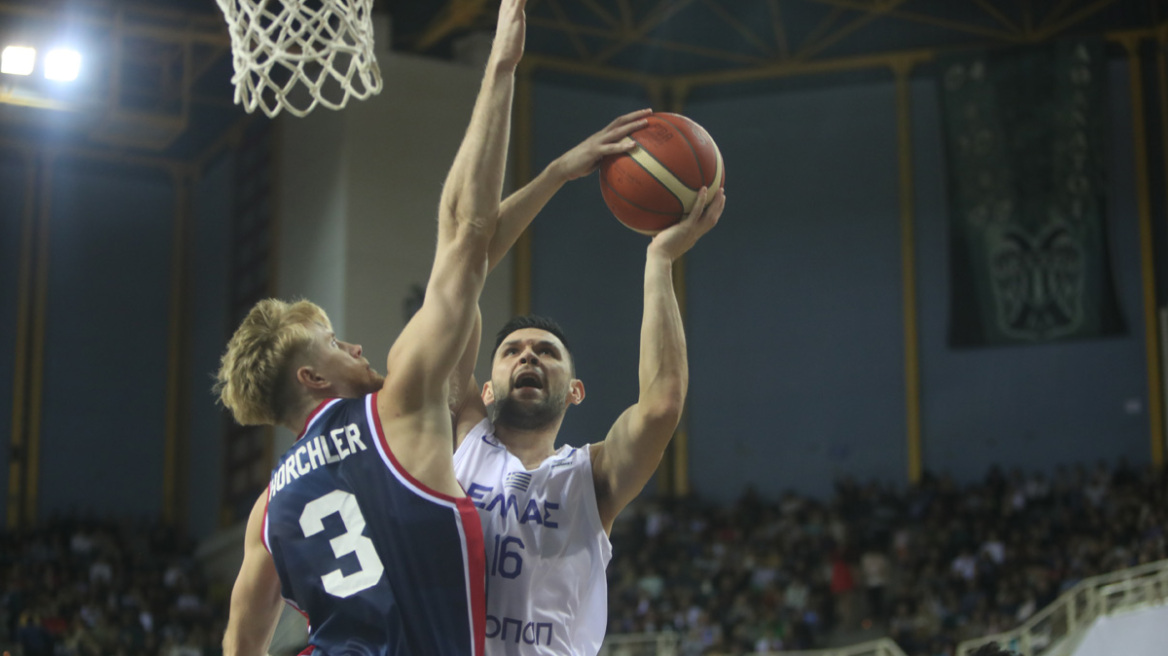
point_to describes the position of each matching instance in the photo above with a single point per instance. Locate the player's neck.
(531, 445)
(296, 419)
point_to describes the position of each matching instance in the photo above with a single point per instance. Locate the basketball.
(656, 184)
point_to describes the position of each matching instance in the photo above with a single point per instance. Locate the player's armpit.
(462, 379)
(472, 412)
(255, 598)
(466, 403)
(627, 458)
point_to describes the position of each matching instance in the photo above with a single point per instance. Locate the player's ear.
(308, 377)
(576, 391)
(488, 393)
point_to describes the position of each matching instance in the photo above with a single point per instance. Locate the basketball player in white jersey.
(547, 513)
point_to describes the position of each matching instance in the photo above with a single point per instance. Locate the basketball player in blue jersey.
(363, 527)
(547, 513)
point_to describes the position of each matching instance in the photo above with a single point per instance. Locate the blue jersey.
(380, 564)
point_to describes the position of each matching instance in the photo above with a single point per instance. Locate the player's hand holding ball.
(657, 182)
(677, 239)
(611, 141)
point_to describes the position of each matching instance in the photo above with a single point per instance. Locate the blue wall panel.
(106, 341)
(208, 332)
(794, 300)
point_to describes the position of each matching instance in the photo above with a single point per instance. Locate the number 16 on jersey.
(507, 558)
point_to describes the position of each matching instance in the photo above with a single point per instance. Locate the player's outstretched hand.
(510, 33)
(674, 241)
(611, 140)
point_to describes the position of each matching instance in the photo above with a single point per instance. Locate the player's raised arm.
(425, 354)
(255, 600)
(627, 458)
(515, 214)
(474, 184)
(521, 207)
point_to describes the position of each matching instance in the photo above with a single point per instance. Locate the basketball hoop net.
(296, 54)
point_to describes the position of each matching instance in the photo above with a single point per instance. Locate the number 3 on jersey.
(351, 541)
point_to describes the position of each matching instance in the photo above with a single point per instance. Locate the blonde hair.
(251, 380)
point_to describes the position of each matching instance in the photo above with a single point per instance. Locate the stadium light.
(62, 65)
(17, 60)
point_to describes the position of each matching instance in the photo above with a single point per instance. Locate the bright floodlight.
(62, 65)
(17, 60)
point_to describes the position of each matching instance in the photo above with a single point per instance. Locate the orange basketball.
(656, 184)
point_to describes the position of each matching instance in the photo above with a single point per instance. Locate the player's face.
(531, 379)
(343, 366)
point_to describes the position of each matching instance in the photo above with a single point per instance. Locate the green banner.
(1025, 137)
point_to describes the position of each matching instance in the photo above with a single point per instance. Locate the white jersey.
(546, 548)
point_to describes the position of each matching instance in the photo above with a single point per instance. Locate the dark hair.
(532, 321)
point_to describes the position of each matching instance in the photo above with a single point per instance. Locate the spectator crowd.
(930, 565)
(86, 588)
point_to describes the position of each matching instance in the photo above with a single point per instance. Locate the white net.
(297, 54)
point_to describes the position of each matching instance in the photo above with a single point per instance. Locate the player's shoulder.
(594, 451)
(569, 457)
(330, 415)
(478, 448)
(481, 435)
(323, 412)
(344, 410)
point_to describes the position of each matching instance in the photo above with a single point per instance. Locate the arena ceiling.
(165, 66)
(679, 37)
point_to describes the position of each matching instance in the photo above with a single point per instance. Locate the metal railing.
(1074, 611)
(881, 647)
(666, 643)
(1069, 616)
(669, 644)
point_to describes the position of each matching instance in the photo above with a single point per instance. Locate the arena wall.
(793, 303)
